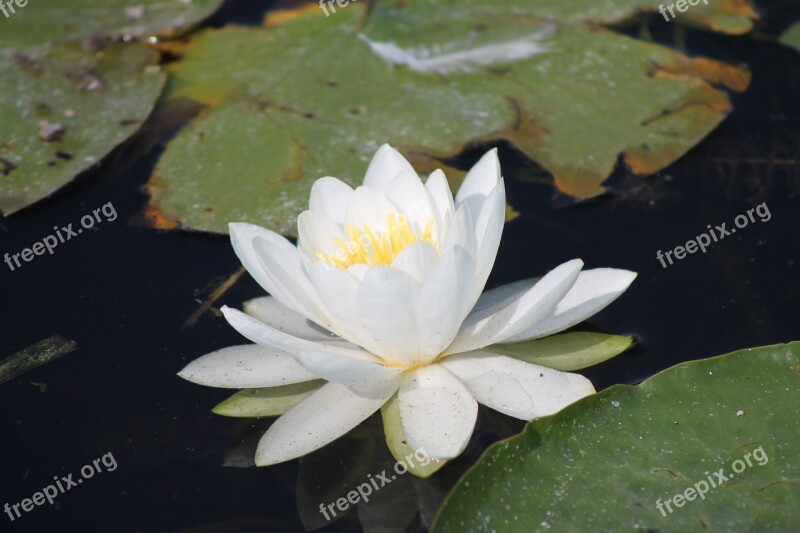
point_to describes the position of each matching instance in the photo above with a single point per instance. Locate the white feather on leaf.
(463, 61)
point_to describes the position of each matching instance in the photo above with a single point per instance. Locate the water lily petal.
(417, 259)
(437, 411)
(242, 236)
(321, 418)
(370, 207)
(330, 196)
(345, 370)
(245, 367)
(285, 270)
(444, 301)
(386, 303)
(350, 366)
(338, 290)
(488, 231)
(441, 199)
(273, 313)
(507, 317)
(482, 178)
(276, 265)
(461, 232)
(407, 192)
(316, 233)
(491, 297)
(417, 462)
(268, 337)
(513, 387)
(385, 165)
(593, 291)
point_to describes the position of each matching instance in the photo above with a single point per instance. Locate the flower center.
(366, 247)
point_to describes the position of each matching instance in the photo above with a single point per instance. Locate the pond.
(140, 303)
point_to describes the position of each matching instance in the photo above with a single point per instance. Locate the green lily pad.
(726, 16)
(607, 462)
(62, 110)
(791, 37)
(44, 21)
(271, 127)
(69, 95)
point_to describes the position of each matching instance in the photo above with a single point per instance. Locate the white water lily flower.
(382, 297)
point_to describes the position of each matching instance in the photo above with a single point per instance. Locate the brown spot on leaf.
(672, 473)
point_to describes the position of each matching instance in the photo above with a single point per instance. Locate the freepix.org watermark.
(62, 485)
(716, 234)
(61, 235)
(325, 4)
(680, 5)
(377, 482)
(7, 6)
(712, 481)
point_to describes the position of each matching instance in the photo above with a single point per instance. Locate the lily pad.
(63, 110)
(270, 128)
(726, 16)
(606, 462)
(791, 36)
(41, 22)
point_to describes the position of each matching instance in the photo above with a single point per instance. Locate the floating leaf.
(603, 463)
(270, 128)
(729, 16)
(40, 22)
(63, 110)
(567, 351)
(791, 37)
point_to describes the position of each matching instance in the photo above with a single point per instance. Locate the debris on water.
(35, 356)
(740, 413)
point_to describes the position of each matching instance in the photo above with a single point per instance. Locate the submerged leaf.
(606, 462)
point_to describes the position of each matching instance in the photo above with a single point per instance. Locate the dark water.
(123, 292)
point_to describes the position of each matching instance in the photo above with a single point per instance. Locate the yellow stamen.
(366, 247)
